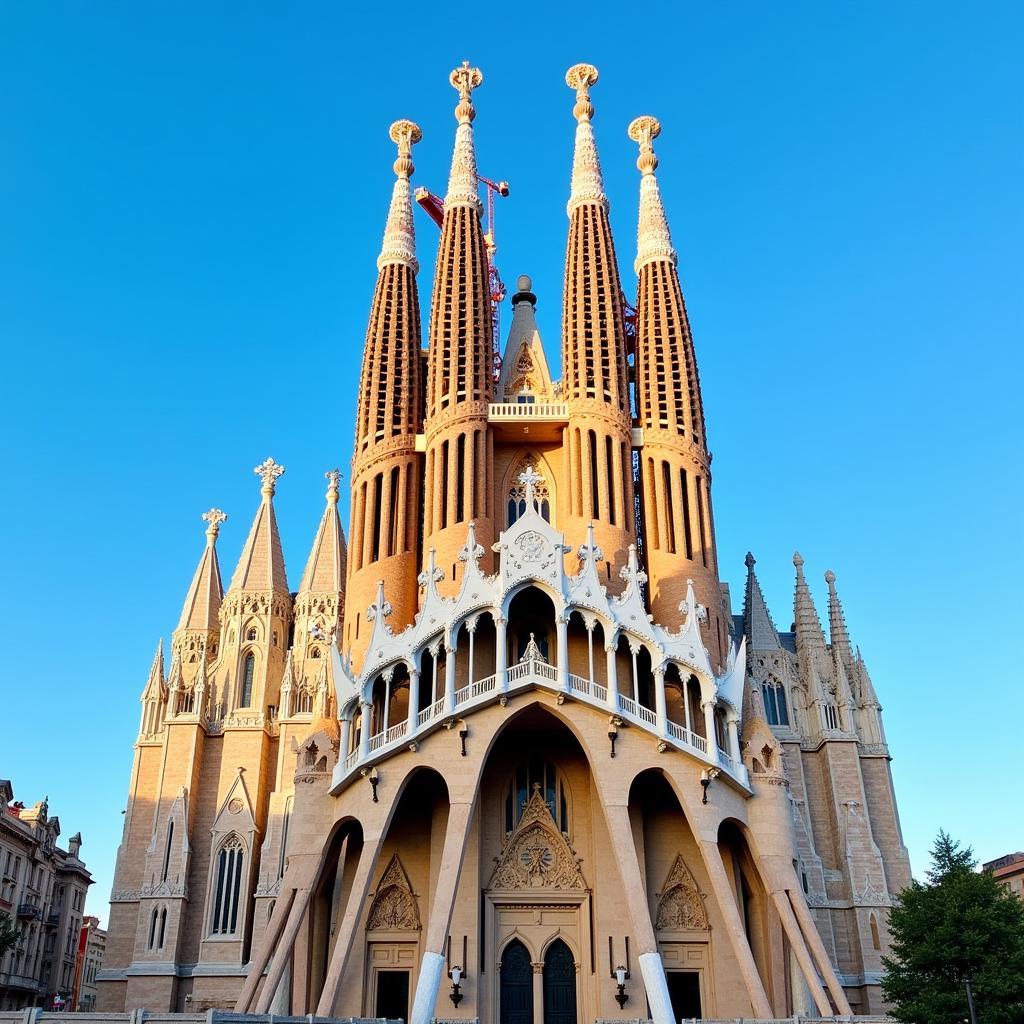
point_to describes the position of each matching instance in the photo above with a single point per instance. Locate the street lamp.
(621, 974)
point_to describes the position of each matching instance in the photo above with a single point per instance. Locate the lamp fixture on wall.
(456, 993)
(705, 781)
(613, 730)
(463, 733)
(621, 974)
(374, 780)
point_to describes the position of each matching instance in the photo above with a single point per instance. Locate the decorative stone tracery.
(680, 903)
(394, 906)
(537, 855)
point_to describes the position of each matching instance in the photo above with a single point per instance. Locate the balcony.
(537, 421)
(53, 919)
(29, 912)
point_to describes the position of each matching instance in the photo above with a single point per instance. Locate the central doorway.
(516, 985)
(392, 995)
(684, 991)
(559, 984)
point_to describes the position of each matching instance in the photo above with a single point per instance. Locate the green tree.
(960, 924)
(8, 934)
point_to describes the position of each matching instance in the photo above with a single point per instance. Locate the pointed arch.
(394, 906)
(227, 894)
(680, 904)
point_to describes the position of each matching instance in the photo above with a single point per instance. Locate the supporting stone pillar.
(345, 741)
(613, 681)
(264, 951)
(414, 701)
(652, 969)
(817, 947)
(708, 707)
(283, 952)
(732, 723)
(660, 706)
(501, 654)
(562, 644)
(734, 924)
(365, 729)
(349, 923)
(803, 956)
(449, 680)
(432, 962)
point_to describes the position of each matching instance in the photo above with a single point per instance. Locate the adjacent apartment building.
(42, 888)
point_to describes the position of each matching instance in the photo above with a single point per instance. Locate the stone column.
(708, 707)
(414, 700)
(258, 962)
(501, 654)
(652, 970)
(613, 682)
(817, 947)
(367, 728)
(732, 723)
(432, 962)
(349, 924)
(660, 705)
(283, 952)
(562, 637)
(345, 742)
(449, 680)
(803, 956)
(734, 926)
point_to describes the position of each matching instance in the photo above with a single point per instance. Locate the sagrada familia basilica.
(508, 755)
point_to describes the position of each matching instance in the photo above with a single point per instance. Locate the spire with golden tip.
(400, 234)
(462, 180)
(203, 600)
(325, 568)
(653, 239)
(587, 183)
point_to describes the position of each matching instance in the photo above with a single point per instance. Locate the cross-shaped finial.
(268, 471)
(214, 517)
(529, 478)
(465, 79)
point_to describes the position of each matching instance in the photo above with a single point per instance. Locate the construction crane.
(433, 206)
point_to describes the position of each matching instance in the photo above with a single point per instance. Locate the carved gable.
(537, 855)
(680, 904)
(394, 906)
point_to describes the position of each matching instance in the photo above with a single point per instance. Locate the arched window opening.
(302, 701)
(516, 505)
(531, 615)
(248, 673)
(162, 930)
(534, 771)
(250, 634)
(876, 941)
(227, 887)
(286, 820)
(831, 715)
(152, 929)
(774, 697)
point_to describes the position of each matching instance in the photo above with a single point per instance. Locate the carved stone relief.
(680, 904)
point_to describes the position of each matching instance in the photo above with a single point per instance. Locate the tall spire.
(758, 627)
(261, 565)
(837, 623)
(654, 242)
(805, 615)
(325, 567)
(203, 600)
(460, 361)
(594, 382)
(387, 472)
(399, 244)
(156, 687)
(587, 181)
(675, 466)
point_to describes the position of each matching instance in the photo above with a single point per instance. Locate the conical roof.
(758, 627)
(202, 602)
(261, 565)
(156, 687)
(325, 568)
(807, 624)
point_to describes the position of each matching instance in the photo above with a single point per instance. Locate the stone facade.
(512, 744)
(43, 889)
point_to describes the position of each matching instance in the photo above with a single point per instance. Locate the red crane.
(433, 206)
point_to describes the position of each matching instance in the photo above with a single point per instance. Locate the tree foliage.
(960, 924)
(8, 934)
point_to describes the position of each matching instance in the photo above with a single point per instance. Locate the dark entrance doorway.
(559, 984)
(516, 985)
(392, 995)
(684, 991)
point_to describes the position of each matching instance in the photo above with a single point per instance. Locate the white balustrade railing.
(528, 411)
(521, 674)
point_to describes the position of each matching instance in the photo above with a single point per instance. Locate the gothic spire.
(653, 240)
(837, 622)
(758, 627)
(156, 686)
(463, 188)
(805, 615)
(261, 565)
(587, 184)
(325, 567)
(202, 602)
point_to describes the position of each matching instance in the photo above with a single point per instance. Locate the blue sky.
(191, 202)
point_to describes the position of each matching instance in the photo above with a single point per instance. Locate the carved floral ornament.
(680, 903)
(537, 855)
(394, 906)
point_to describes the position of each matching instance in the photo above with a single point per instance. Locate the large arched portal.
(531, 614)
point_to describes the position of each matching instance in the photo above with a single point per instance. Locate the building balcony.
(537, 421)
(29, 912)
(53, 919)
